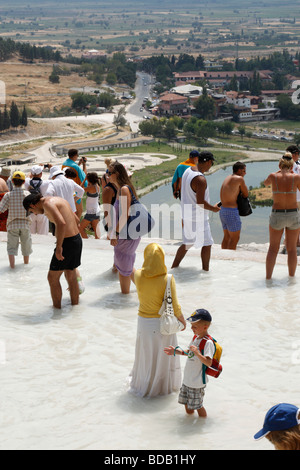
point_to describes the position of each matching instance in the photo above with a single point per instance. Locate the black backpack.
(35, 188)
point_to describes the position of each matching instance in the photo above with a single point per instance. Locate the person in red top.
(3, 217)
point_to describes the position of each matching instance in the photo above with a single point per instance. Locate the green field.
(159, 26)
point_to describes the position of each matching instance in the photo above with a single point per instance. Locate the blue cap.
(194, 154)
(200, 314)
(278, 418)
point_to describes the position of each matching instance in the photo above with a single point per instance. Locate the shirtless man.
(229, 214)
(67, 254)
(3, 186)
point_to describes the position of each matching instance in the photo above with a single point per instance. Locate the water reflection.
(255, 228)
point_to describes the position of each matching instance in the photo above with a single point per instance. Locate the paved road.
(142, 90)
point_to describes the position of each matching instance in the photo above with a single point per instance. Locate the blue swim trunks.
(230, 219)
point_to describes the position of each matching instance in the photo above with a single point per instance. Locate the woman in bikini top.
(284, 185)
(284, 216)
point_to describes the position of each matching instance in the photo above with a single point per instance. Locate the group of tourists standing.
(35, 205)
(190, 186)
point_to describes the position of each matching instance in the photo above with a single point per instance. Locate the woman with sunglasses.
(285, 215)
(124, 247)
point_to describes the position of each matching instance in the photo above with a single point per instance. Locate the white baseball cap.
(36, 170)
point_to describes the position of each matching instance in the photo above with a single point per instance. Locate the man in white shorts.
(195, 204)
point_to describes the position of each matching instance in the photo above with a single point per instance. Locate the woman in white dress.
(154, 373)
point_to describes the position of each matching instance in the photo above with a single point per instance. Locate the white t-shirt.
(66, 189)
(193, 369)
(196, 228)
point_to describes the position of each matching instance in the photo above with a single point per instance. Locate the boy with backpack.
(201, 362)
(35, 185)
(18, 224)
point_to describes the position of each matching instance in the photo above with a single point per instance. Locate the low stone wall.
(96, 146)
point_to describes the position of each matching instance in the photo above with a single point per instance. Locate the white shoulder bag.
(169, 324)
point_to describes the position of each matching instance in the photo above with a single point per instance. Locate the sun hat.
(278, 418)
(55, 171)
(5, 172)
(19, 175)
(200, 314)
(36, 170)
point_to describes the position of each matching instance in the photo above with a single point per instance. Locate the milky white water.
(63, 374)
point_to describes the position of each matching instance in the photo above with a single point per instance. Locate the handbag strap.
(134, 200)
(167, 303)
(168, 293)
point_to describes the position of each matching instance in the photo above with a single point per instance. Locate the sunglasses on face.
(110, 173)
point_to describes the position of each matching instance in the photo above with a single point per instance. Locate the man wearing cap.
(229, 213)
(18, 224)
(282, 427)
(195, 204)
(63, 187)
(67, 254)
(6, 176)
(71, 162)
(176, 181)
(39, 222)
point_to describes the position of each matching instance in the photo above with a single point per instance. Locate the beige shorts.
(16, 236)
(288, 220)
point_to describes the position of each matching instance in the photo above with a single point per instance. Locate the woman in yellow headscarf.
(153, 372)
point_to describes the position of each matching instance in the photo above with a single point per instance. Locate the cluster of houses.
(241, 106)
(244, 107)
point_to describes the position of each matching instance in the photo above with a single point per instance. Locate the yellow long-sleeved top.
(151, 282)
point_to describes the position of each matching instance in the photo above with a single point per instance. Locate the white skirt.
(154, 373)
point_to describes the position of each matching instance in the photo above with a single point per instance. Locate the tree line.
(163, 67)
(81, 101)
(27, 52)
(194, 128)
(12, 118)
(117, 69)
(277, 61)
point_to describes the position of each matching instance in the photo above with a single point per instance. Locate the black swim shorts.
(72, 248)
